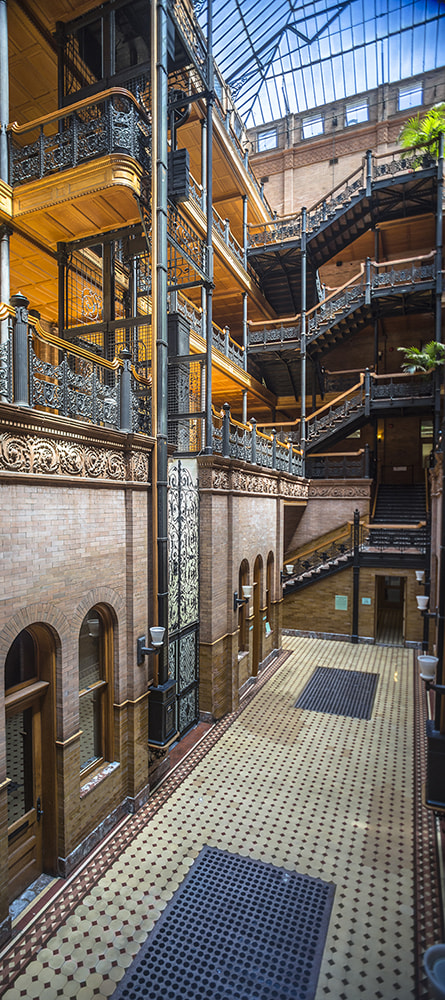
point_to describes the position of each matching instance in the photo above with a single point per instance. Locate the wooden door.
(25, 802)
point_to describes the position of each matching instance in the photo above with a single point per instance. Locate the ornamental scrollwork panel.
(49, 456)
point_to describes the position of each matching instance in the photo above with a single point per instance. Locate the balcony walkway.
(327, 796)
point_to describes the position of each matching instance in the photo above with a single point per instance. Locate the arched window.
(269, 584)
(243, 580)
(95, 688)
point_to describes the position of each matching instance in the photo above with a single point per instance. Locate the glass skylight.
(281, 56)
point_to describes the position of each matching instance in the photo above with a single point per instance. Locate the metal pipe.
(245, 230)
(160, 209)
(5, 232)
(4, 91)
(209, 220)
(303, 326)
(245, 331)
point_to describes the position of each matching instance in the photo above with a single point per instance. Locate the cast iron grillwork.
(340, 692)
(236, 929)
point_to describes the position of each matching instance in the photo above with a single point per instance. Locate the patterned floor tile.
(319, 794)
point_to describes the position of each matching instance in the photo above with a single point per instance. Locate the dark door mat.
(340, 692)
(236, 929)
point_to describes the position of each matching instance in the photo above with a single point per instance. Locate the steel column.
(356, 576)
(245, 330)
(209, 233)
(303, 327)
(4, 174)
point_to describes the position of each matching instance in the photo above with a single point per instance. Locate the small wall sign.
(341, 602)
(366, 600)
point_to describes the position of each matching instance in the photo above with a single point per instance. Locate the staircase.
(399, 505)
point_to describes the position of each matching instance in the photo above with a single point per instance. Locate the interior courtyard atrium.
(222, 738)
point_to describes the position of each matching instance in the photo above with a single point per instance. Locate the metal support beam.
(356, 577)
(209, 227)
(303, 326)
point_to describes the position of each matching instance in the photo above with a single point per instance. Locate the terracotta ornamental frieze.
(23, 453)
(339, 491)
(244, 481)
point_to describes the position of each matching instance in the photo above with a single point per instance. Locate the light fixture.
(422, 601)
(93, 627)
(420, 575)
(289, 570)
(238, 601)
(427, 666)
(157, 638)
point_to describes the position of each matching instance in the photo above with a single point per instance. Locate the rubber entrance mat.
(236, 929)
(340, 692)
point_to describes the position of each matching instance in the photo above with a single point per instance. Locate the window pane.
(19, 764)
(356, 113)
(90, 670)
(20, 665)
(132, 35)
(267, 140)
(90, 724)
(312, 126)
(410, 98)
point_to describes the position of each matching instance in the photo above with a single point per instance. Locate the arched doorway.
(257, 630)
(29, 725)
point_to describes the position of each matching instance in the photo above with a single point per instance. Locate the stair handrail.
(68, 109)
(359, 172)
(343, 532)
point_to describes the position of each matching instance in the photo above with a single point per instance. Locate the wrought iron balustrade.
(192, 35)
(273, 335)
(187, 252)
(221, 338)
(359, 183)
(339, 466)
(328, 418)
(330, 554)
(244, 442)
(44, 372)
(111, 123)
(398, 387)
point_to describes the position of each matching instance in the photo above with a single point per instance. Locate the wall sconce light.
(422, 604)
(93, 627)
(289, 568)
(427, 666)
(420, 575)
(238, 601)
(157, 638)
(422, 601)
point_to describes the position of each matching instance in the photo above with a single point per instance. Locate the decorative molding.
(49, 456)
(240, 478)
(338, 491)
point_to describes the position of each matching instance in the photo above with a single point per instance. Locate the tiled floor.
(319, 794)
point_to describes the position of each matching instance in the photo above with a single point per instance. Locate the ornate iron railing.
(373, 279)
(351, 404)
(221, 338)
(244, 442)
(187, 252)
(330, 554)
(359, 183)
(344, 465)
(192, 35)
(6, 369)
(112, 122)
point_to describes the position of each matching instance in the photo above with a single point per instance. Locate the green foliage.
(422, 131)
(426, 359)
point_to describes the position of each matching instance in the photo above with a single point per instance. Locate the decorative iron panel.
(183, 533)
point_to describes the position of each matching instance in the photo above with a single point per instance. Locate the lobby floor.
(324, 795)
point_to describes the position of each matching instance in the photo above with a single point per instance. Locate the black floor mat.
(236, 929)
(339, 692)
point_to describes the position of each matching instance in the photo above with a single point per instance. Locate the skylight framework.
(287, 56)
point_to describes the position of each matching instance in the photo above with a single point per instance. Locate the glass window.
(410, 97)
(93, 690)
(20, 665)
(267, 140)
(313, 126)
(132, 35)
(356, 113)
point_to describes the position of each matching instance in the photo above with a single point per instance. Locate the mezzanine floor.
(329, 796)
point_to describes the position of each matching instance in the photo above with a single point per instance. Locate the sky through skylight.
(282, 56)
